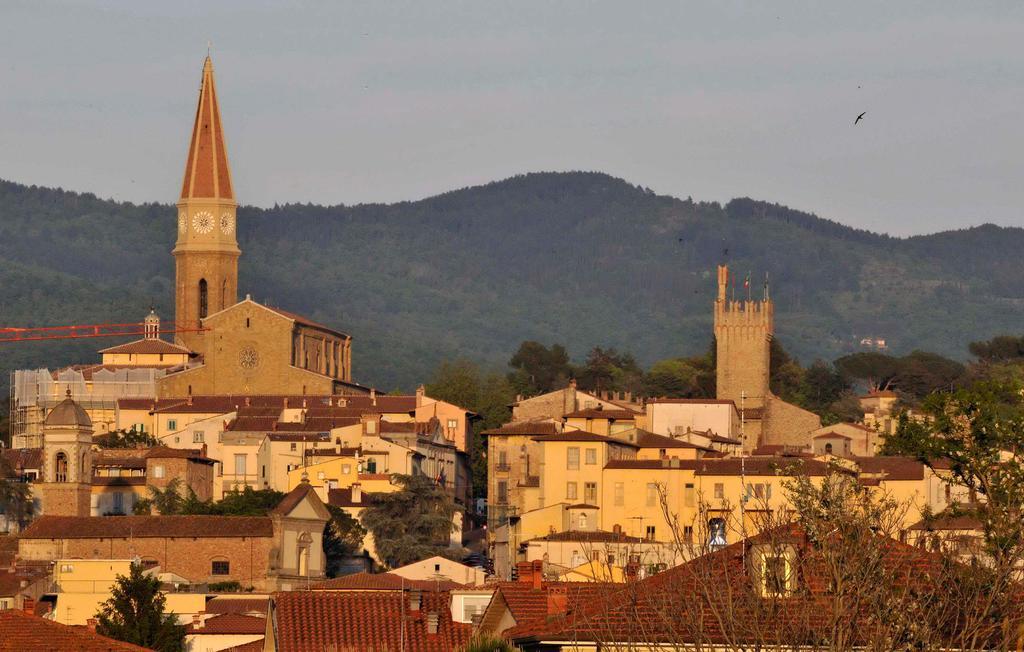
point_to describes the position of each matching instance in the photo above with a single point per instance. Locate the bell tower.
(67, 460)
(206, 252)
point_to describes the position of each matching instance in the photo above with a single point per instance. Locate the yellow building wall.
(82, 585)
(145, 359)
(343, 471)
(637, 505)
(556, 477)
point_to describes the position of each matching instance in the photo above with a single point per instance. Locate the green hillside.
(578, 258)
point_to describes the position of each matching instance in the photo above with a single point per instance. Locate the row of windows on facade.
(755, 490)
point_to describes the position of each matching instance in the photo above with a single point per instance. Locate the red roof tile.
(231, 605)
(148, 346)
(582, 435)
(525, 428)
(600, 413)
(21, 632)
(646, 439)
(383, 582)
(322, 620)
(891, 468)
(231, 623)
(593, 536)
(23, 458)
(106, 527)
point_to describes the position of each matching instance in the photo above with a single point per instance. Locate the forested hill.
(582, 259)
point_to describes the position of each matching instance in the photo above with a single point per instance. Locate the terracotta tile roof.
(8, 549)
(88, 370)
(948, 521)
(333, 452)
(230, 623)
(148, 346)
(650, 611)
(383, 582)
(21, 631)
(226, 605)
(582, 435)
(322, 620)
(594, 536)
(12, 577)
(165, 452)
(831, 434)
(23, 458)
(891, 468)
(118, 481)
(343, 498)
(317, 437)
(763, 466)
(293, 498)
(666, 464)
(600, 413)
(255, 646)
(529, 606)
(305, 321)
(525, 428)
(646, 439)
(106, 527)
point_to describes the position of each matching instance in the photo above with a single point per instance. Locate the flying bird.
(859, 118)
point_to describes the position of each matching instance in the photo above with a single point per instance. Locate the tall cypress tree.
(135, 614)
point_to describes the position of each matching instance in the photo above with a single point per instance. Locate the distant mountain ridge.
(579, 258)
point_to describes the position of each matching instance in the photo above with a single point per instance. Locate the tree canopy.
(410, 524)
(135, 613)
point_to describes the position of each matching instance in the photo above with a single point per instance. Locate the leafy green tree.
(166, 501)
(537, 369)
(135, 613)
(15, 496)
(876, 369)
(1001, 348)
(462, 383)
(672, 378)
(247, 502)
(343, 537)
(411, 524)
(607, 369)
(130, 438)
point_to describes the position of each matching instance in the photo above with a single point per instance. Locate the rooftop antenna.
(209, 44)
(766, 286)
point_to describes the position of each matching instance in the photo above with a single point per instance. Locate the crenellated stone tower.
(206, 253)
(743, 336)
(743, 340)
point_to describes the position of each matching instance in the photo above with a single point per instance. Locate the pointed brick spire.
(206, 171)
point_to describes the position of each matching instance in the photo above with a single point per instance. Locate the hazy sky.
(383, 101)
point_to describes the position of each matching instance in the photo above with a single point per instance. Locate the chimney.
(197, 621)
(433, 620)
(572, 383)
(248, 401)
(421, 393)
(91, 624)
(357, 493)
(303, 404)
(203, 449)
(373, 396)
(29, 605)
(537, 574)
(189, 401)
(415, 600)
(558, 600)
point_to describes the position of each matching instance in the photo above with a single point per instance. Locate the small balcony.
(502, 467)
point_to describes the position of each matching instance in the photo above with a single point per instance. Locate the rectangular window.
(572, 461)
(293, 446)
(652, 494)
(172, 424)
(371, 427)
(776, 574)
(346, 469)
(220, 568)
(650, 533)
(263, 470)
(502, 492)
(502, 458)
(453, 424)
(198, 437)
(687, 534)
(620, 494)
(590, 493)
(240, 463)
(595, 555)
(570, 491)
(158, 471)
(719, 490)
(591, 456)
(689, 495)
(119, 502)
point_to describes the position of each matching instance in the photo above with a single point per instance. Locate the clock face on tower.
(182, 222)
(227, 223)
(202, 222)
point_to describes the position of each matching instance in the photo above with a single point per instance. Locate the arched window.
(60, 467)
(716, 533)
(304, 543)
(828, 448)
(204, 301)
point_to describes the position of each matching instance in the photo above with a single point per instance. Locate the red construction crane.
(19, 334)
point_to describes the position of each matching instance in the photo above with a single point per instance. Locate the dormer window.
(774, 570)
